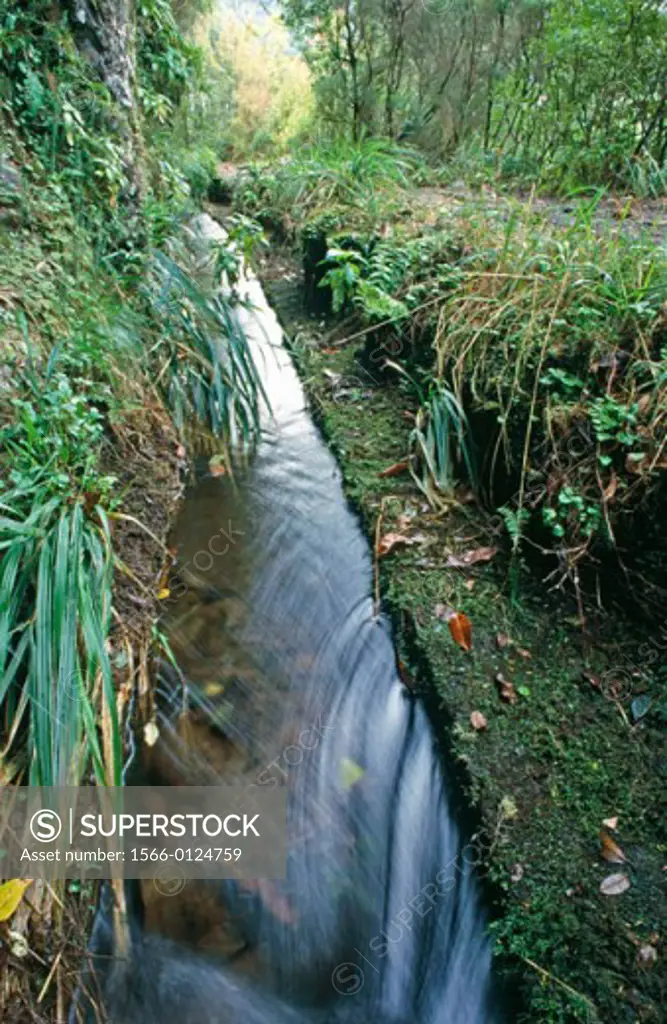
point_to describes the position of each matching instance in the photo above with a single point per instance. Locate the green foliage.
(69, 121)
(206, 369)
(572, 514)
(559, 92)
(166, 62)
(585, 100)
(368, 176)
(363, 281)
(343, 276)
(442, 441)
(97, 324)
(613, 421)
(56, 435)
(62, 112)
(198, 168)
(247, 237)
(554, 334)
(57, 560)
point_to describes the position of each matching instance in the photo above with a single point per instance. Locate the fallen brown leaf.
(469, 558)
(611, 488)
(478, 721)
(389, 542)
(460, 628)
(611, 851)
(398, 467)
(614, 885)
(506, 688)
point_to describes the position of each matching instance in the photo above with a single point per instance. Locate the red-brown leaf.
(389, 542)
(395, 470)
(460, 627)
(611, 851)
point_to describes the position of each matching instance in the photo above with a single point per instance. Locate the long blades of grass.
(212, 375)
(63, 567)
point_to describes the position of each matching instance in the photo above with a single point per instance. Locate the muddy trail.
(291, 679)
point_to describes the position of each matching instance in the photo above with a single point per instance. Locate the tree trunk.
(354, 72)
(105, 35)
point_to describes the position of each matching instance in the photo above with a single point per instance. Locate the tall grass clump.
(56, 574)
(364, 176)
(560, 340)
(205, 369)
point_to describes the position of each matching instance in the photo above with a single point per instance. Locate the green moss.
(549, 768)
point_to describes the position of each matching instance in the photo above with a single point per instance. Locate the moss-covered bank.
(579, 743)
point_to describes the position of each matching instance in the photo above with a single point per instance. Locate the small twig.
(622, 713)
(137, 522)
(557, 981)
(45, 987)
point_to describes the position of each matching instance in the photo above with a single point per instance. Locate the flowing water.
(275, 633)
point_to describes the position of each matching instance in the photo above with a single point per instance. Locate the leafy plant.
(247, 236)
(56, 574)
(614, 421)
(343, 276)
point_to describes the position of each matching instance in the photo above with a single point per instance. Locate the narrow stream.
(276, 638)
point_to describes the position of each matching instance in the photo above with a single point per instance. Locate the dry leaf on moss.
(614, 885)
(389, 542)
(469, 558)
(611, 851)
(460, 628)
(506, 689)
(395, 470)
